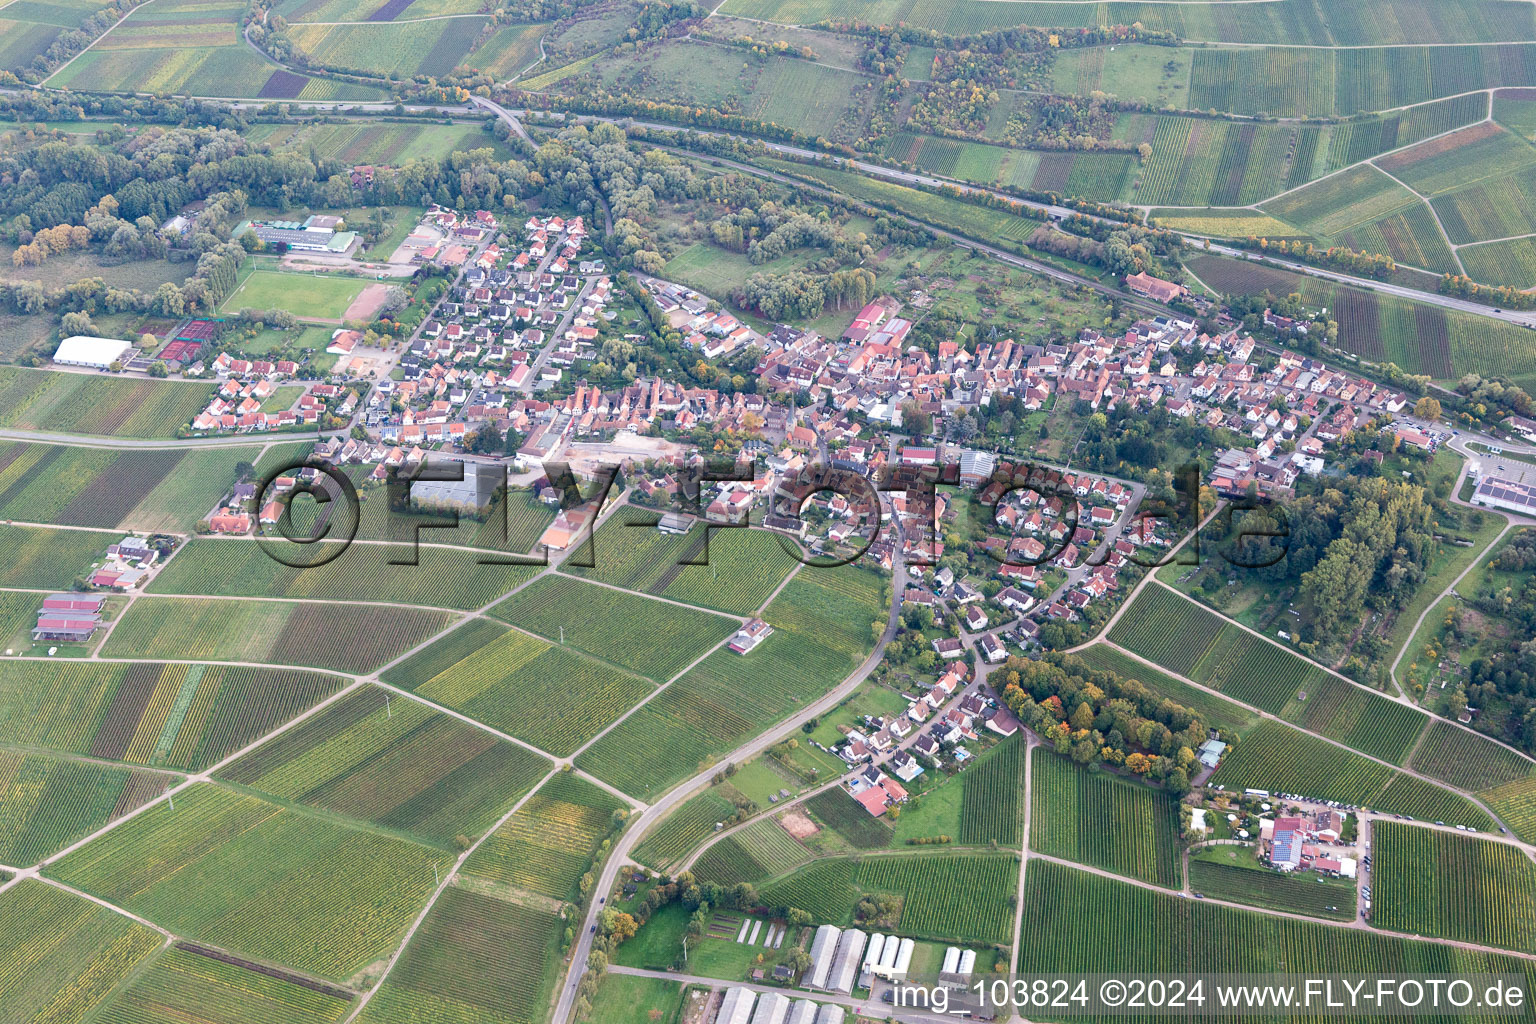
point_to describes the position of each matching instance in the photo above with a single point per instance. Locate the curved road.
(619, 856)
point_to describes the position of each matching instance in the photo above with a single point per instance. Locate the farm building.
(674, 523)
(823, 948)
(772, 1008)
(1285, 851)
(804, 1012)
(471, 494)
(71, 626)
(1155, 287)
(1210, 752)
(831, 1014)
(81, 350)
(845, 965)
(1511, 495)
(754, 632)
(736, 1007)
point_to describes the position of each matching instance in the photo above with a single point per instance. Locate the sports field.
(310, 296)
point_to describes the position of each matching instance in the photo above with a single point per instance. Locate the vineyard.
(1361, 719)
(476, 958)
(63, 955)
(989, 798)
(550, 842)
(43, 559)
(761, 850)
(1076, 922)
(184, 985)
(823, 888)
(262, 880)
(1515, 804)
(1431, 882)
(650, 638)
(78, 403)
(954, 897)
(443, 577)
(401, 765)
(1096, 819)
(353, 638)
(1295, 894)
(822, 628)
(78, 486)
(1467, 760)
(548, 696)
(1217, 712)
(176, 716)
(443, 653)
(50, 803)
(1283, 760)
(842, 814)
(683, 830)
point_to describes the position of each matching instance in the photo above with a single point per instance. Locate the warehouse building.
(1510, 495)
(845, 965)
(804, 1012)
(736, 1007)
(97, 353)
(823, 948)
(772, 1008)
(831, 1014)
(300, 236)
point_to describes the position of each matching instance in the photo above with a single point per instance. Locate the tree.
(1427, 408)
(76, 323)
(148, 341)
(159, 369)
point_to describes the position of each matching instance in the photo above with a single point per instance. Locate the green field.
(649, 638)
(186, 985)
(67, 485)
(1131, 72)
(398, 764)
(356, 640)
(1301, 893)
(838, 811)
(1096, 819)
(823, 627)
(622, 999)
(739, 569)
(44, 559)
(1366, 210)
(64, 955)
(476, 958)
(376, 142)
(1515, 804)
(507, 53)
(259, 879)
(91, 403)
(1467, 760)
(550, 842)
(51, 802)
(1076, 921)
(1511, 262)
(1430, 882)
(443, 577)
(384, 48)
(310, 296)
(761, 850)
(536, 691)
(683, 829)
(176, 716)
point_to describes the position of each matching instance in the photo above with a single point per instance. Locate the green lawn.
(311, 296)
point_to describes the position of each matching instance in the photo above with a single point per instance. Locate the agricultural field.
(382, 49)
(509, 52)
(823, 888)
(1281, 759)
(683, 830)
(1074, 921)
(476, 958)
(86, 403)
(761, 850)
(1198, 162)
(1301, 893)
(396, 763)
(1366, 210)
(822, 623)
(650, 638)
(838, 811)
(1225, 223)
(1155, 75)
(310, 296)
(1430, 882)
(440, 578)
(1515, 804)
(64, 955)
(266, 881)
(1466, 760)
(546, 695)
(550, 841)
(990, 798)
(740, 570)
(185, 984)
(374, 141)
(185, 717)
(1359, 718)
(44, 559)
(622, 999)
(77, 486)
(1511, 262)
(51, 802)
(1093, 818)
(345, 638)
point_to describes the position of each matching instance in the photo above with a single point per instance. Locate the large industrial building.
(97, 353)
(317, 234)
(772, 1008)
(1510, 495)
(736, 1007)
(845, 965)
(823, 948)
